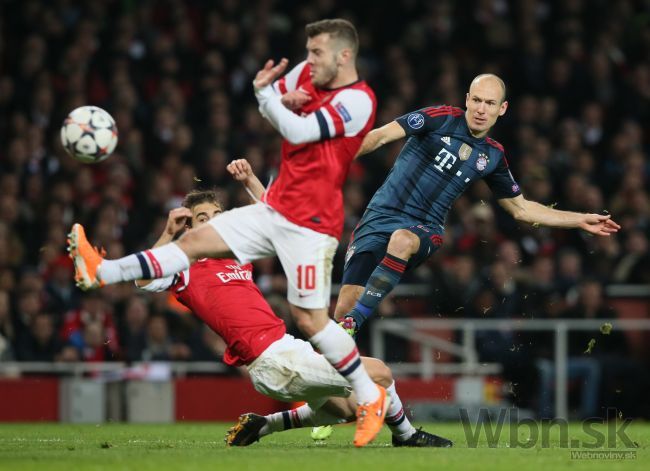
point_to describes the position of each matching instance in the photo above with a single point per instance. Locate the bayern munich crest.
(481, 162)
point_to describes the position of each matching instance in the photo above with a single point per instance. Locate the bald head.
(485, 102)
(489, 79)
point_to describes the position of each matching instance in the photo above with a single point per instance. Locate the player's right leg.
(365, 251)
(356, 272)
(403, 244)
(93, 271)
(241, 232)
(348, 295)
(406, 249)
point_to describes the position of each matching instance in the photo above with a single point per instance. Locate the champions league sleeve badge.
(481, 162)
(415, 120)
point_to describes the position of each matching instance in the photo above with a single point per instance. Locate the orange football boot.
(86, 259)
(370, 418)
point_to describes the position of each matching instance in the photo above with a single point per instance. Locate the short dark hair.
(195, 197)
(337, 28)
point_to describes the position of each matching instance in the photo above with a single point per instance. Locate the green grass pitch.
(201, 447)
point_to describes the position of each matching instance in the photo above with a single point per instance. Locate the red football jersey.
(308, 190)
(223, 295)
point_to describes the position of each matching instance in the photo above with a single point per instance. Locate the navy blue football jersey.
(439, 161)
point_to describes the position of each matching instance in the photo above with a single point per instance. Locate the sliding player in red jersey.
(222, 294)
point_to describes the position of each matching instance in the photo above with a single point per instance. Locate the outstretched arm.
(380, 136)
(176, 221)
(416, 122)
(534, 213)
(242, 171)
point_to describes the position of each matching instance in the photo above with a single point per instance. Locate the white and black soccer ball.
(89, 134)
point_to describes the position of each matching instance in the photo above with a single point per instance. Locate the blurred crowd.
(176, 76)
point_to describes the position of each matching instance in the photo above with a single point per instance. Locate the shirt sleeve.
(345, 115)
(289, 82)
(427, 119)
(501, 182)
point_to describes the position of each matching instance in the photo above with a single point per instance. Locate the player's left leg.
(403, 432)
(306, 257)
(341, 352)
(312, 376)
(290, 370)
(416, 242)
(251, 427)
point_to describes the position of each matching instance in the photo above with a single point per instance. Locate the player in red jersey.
(222, 294)
(332, 116)
(235, 307)
(300, 218)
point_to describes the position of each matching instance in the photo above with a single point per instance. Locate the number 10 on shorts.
(306, 276)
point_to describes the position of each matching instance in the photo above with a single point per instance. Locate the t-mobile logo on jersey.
(236, 274)
(443, 157)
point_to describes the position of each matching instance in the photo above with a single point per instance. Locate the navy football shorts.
(370, 239)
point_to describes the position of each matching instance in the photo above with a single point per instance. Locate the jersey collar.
(469, 133)
(327, 89)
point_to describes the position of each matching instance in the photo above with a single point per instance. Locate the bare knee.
(378, 371)
(403, 244)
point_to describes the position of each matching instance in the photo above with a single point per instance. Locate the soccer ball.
(89, 134)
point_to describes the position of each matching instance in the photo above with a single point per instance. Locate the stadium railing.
(422, 331)
(424, 290)
(15, 368)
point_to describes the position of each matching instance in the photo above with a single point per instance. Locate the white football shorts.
(258, 231)
(290, 370)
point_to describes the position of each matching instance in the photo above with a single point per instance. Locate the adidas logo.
(446, 140)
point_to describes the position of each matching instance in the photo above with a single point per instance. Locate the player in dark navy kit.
(447, 150)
